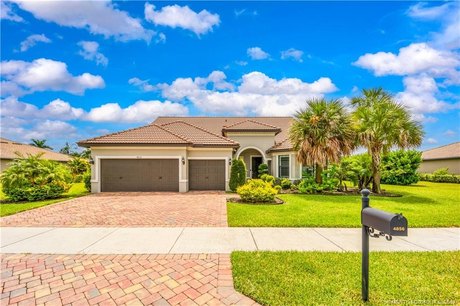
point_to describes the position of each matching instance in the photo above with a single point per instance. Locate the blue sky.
(74, 70)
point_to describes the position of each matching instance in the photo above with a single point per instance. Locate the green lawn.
(425, 204)
(6, 209)
(326, 278)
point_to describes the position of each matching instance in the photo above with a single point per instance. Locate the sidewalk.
(188, 240)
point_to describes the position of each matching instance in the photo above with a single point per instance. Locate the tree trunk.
(376, 170)
(318, 171)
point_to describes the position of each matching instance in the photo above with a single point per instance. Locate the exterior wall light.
(183, 160)
(91, 160)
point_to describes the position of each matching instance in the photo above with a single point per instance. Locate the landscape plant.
(237, 174)
(78, 166)
(257, 191)
(268, 178)
(440, 176)
(400, 167)
(380, 124)
(263, 169)
(358, 170)
(32, 178)
(87, 180)
(322, 133)
(286, 183)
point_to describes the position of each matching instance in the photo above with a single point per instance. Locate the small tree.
(237, 174)
(40, 143)
(78, 166)
(263, 169)
(358, 169)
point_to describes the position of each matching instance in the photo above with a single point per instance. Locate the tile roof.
(8, 149)
(216, 124)
(197, 135)
(445, 152)
(149, 134)
(284, 145)
(251, 126)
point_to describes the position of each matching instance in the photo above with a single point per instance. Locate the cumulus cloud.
(176, 16)
(293, 54)
(45, 74)
(413, 59)
(56, 109)
(256, 53)
(6, 12)
(32, 40)
(257, 94)
(141, 111)
(90, 51)
(98, 17)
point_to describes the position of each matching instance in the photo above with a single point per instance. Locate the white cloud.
(241, 63)
(256, 53)
(45, 74)
(161, 39)
(56, 109)
(257, 94)
(89, 51)
(292, 54)
(449, 16)
(450, 133)
(32, 40)
(413, 59)
(183, 17)
(142, 84)
(141, 111)
(98, 17)
(431, 141)
(6, 12)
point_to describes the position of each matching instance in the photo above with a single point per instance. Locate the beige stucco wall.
(99, 153)
(295, 167)
(4, 164)
(428, 166)
(260, 141)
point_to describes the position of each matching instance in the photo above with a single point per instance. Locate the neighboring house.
(190, 153)
(9, 148)
(447, 156)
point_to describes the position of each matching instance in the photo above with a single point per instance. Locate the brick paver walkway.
(118, 280)
(129, 210)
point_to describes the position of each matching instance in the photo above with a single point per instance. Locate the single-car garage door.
(139, 175)
(207, 174)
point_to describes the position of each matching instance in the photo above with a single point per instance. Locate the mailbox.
(385, 222)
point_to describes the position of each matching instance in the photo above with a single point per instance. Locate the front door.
(256, 161)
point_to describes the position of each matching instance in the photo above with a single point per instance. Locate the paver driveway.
(129, 210)
(118, 280)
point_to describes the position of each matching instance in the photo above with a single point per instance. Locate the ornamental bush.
(87, 180)
(440, 176)
(257, 191)
(35, 179)
(78, 166)
(285, 183)
(400, 167)
(237, 174)
(268, 178)
(263, 169)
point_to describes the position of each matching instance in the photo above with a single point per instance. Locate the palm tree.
(322, 133)
(40, 143)
(381, 123)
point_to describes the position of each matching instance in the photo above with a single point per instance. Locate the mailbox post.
(387, 224)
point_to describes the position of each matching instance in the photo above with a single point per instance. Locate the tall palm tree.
(322, 133)
(381, 123)
(40, 143)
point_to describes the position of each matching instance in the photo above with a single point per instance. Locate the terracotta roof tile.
(149, 134)
(445, 152)
(284, 145)
(251, 126)
(196, 135)
(9, 148)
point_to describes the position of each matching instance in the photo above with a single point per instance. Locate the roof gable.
(251, 126)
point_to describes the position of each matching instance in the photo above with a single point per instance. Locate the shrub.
(78, 166)
(237, 174)
(87, 180)
(358, 170)
(400, 167)
(330, 181)
(278, 188)
(285, 183)
(256, 190)
(441, 171)
(268, 178)
(309, 185)
(35, 179)
(449, 178)
(263, 169)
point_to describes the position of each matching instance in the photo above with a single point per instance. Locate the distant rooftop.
(444, 152)
(8, 149)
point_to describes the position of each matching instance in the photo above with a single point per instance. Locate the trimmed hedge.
(257, 191)
(443, 178)
(237, 174)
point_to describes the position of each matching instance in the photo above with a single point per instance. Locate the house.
(9, 148)
(447, 156)
(190, 153)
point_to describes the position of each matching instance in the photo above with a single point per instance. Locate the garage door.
(207, 174)
(139, 175)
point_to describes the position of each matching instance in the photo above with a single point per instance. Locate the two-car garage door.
(140, 175)
(160, 175)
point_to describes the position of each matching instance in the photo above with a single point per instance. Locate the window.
(283, 166)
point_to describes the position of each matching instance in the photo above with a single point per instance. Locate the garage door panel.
(139, 175)
(207, 174)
